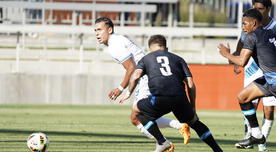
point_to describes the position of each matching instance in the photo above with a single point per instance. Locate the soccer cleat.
(237, 145)
(171, 149)
(185, 132)
(252, 140)
(262, 147)
(167, 146)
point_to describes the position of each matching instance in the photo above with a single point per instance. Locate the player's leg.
(269, 103)
(247, 129)
(134, 120)
(163, 122)
(251, 73)
(143, 92)
(161, 142)
(245, 97)
(184, 113)
(183, 128)
(205, 135)
(147, 117)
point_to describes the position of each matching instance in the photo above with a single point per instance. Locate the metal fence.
(65, 27)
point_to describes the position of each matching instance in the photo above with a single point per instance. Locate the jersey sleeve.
(120, 52)
(141, 65)
(250, 41)
(274, 27)
(186, 68)
(242, 37)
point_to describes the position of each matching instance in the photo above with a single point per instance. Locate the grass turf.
(107, 129)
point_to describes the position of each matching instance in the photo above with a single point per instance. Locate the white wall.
(56, 89)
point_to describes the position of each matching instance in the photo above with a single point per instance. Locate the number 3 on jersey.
(164, 61)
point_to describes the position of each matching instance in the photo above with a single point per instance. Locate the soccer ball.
(37, 142)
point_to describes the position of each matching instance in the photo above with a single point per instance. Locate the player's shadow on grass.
(123, 136)
(64, 133)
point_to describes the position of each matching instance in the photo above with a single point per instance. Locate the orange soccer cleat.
(185, 132)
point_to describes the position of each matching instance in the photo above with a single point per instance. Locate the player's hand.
(114, 94)
(125, 97)
(237, 69)
(224, 50)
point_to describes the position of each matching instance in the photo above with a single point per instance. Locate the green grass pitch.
(107, 129)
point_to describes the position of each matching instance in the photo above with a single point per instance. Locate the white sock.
(266, 128)
(140, 126)
(256, 132)
(144, 131)
(176, 124)
(249, 130)
(168, 123)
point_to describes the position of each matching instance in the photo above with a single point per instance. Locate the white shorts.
(142, 90)
(249, 78)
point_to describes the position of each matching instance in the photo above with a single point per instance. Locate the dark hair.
(254, 14)
(266, 3)
(158, 39)
(106, 20)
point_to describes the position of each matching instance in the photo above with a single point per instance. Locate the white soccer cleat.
(167, 146)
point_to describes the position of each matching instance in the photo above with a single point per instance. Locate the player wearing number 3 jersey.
(168, 75)
(125, 52)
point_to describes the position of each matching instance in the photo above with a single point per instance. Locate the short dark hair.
(266, 3)
(158, 39)
(254, 14)
(106, 20)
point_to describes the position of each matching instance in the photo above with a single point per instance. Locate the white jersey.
(121, 49)
(252, 71)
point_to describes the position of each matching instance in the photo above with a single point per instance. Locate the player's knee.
(133, 119)
(242, 98)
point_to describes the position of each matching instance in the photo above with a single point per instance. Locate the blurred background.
(49, 53)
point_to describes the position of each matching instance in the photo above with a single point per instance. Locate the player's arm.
(238, 48)
(237, 52)
(240, 60)
(191, 88)
(188, 80)
(129, 66)
(137, 74)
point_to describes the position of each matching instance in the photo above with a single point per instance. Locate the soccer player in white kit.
(252, 72)
(128, 54)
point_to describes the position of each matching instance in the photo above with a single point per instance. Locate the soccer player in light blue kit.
(252, 72)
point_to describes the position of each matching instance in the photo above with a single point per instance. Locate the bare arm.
(137, 74)
(129, 66)
(238, 48)
(240, 60)
(237, 52)
(191, 90)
